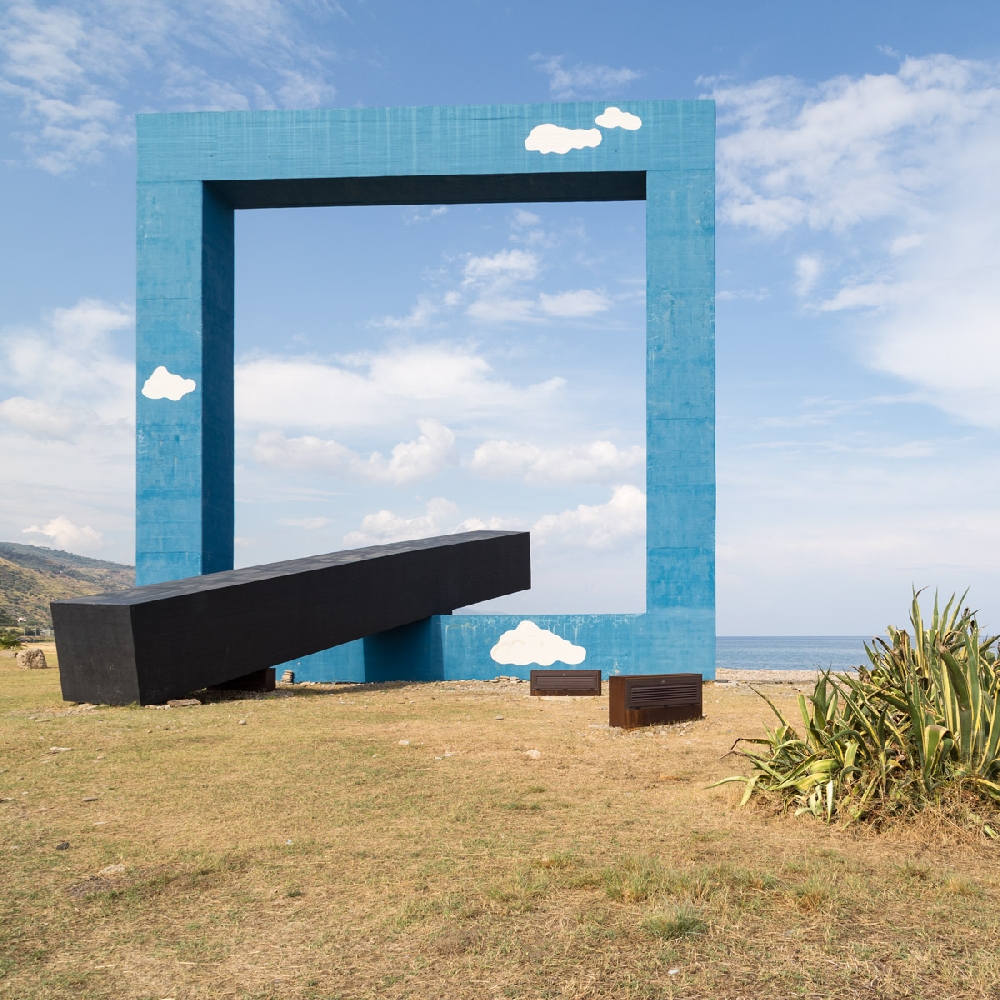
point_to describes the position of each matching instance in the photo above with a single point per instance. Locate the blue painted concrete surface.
(457, 647)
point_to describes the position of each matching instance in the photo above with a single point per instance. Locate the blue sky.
(413, 371)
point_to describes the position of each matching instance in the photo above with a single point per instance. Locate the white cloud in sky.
(503, 310)
(599, 461)
(808, 268)
(906, 163)
(574, 305)
(524, 219)
(501, 268)
(309, 523)
(579, 304)
(410, 461)
(44, 421)
(620, 521)
(66, 534)
(385, 526)
(599, 526)
(530, 644)
(75, 74)
(582, 80)
(67, 372)
(550, 138)
(381, 389)
(67, 433)
(419, 317)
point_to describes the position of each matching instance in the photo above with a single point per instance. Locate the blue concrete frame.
(196, 170)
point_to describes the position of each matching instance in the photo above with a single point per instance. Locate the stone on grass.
(183, 703)
(31, 659)
(533, 754)
(112, 870)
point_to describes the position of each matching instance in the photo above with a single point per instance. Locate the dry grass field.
(396, 841)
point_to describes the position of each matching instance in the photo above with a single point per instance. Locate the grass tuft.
(682, 922)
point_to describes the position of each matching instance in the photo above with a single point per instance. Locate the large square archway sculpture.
(195, 170)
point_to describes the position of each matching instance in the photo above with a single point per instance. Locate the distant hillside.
(31, 576)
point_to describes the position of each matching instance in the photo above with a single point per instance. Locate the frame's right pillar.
(680, 418)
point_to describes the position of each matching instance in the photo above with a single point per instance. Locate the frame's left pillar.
(184, 419)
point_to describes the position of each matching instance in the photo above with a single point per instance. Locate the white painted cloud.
(616, 118)
(597, 462)
(600, 526)
(549, 138)
(583, 79)
(903, 164)
(385, 526)
(162, 384)
(530, 644)
(410, 461)
(381, 389)
(66, 534)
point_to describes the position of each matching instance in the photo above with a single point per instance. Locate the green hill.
(32, 575)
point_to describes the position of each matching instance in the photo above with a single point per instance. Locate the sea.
(790, 652)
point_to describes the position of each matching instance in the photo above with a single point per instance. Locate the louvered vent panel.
(669, 695)
(566, 682)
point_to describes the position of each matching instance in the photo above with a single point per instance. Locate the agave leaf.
(933, 740)
(989, 757)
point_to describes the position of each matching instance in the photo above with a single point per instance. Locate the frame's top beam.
(254, 150)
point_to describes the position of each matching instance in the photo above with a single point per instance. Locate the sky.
(403, 372)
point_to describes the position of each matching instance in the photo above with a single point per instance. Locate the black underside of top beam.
(458, 189)
(163, 641)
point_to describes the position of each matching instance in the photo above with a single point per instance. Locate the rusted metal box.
(651, 699)
(565, 682)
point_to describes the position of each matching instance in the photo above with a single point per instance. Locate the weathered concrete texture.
(165, 640)
(195, 169)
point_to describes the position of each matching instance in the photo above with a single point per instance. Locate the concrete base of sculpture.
(154, 643)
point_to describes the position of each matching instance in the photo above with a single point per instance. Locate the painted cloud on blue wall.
(551, 138)
(530, 644)
(165, 385)
(616, 118)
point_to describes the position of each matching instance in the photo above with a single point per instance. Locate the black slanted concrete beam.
(154, 643)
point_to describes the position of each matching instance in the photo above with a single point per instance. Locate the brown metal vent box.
(566, 682)
(651, 699)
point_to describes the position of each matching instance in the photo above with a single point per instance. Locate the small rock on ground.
(31, 659)
(533, 754)
(183, 703)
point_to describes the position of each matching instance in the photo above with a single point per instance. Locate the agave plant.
(921, 719)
